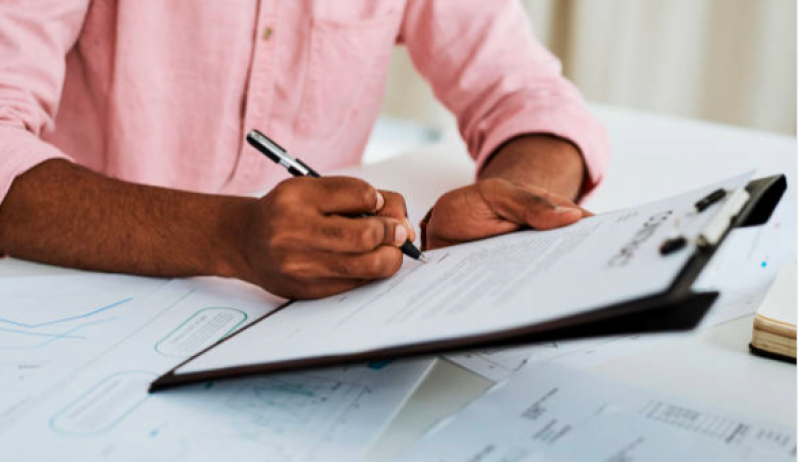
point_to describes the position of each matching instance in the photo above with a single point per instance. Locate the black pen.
(296, 167)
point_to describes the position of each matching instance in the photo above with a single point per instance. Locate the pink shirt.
(162, 92)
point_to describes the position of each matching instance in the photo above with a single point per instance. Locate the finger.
(523, 207)
(564, 202)
(343, 195)
(395, 207)
(380, 263)
(556, 199)
(335, 233)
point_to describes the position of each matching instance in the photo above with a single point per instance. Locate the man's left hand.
(496, 206)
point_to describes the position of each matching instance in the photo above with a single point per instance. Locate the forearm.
(544, 161)
(62, 214)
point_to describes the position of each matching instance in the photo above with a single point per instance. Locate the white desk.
(653, 156)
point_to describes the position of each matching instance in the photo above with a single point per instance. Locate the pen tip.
(422, 258)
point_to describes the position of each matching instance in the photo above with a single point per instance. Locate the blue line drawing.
(39, 334)
(58, 321)
(53, 337)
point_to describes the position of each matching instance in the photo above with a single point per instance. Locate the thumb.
(524, 207)
(395, 232)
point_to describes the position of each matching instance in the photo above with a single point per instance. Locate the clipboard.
(678, 308)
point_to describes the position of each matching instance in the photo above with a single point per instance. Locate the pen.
(296, 167)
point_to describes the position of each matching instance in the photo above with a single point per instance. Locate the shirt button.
(267, 33)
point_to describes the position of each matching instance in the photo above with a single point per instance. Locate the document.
(481, 288)
(50, 326)
(552, 413)
(742, 271)
(100, 410)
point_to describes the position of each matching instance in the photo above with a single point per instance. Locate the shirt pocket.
(347, 64)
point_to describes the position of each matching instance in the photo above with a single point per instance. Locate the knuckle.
(374, 266)
(370, 235)
(341, 267)
(362, 190)
(286, 266)
(285, 196)
(393, 262)
(385, 263)
(395, 202)
(281, 238)
(284, 187)
(368, 196)
(294, 268)
(392, 197)
(331, 231)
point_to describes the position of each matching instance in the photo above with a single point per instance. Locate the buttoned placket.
(260, 86)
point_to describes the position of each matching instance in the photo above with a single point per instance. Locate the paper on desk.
(551, 413)
(482, 287)
(500, 363)
(102, 411)
(51, 325)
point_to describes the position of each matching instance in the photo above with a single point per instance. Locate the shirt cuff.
(20, 151)
(573, 124)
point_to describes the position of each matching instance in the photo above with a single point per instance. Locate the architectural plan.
(101, 410)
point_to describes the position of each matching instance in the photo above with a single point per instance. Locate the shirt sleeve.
(35, 36)
(485, 65)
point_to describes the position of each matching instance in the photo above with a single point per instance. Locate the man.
(122, 126)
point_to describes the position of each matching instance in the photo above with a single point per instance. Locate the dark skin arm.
(293, 242)
(543, 161)
(531, 181)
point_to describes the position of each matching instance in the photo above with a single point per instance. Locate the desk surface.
(653, 156)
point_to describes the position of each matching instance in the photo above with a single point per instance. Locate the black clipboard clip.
(747, 206)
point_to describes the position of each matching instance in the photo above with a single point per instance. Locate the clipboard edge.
(696, 303)
(765, 193)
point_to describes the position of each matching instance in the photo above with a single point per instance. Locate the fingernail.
(412, 230)
(400, 236)
(380, 201)
(567, 211)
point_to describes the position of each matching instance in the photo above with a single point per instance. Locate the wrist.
(540, 160)
(230, 236)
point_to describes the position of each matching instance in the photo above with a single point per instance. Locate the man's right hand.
(305, 239)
